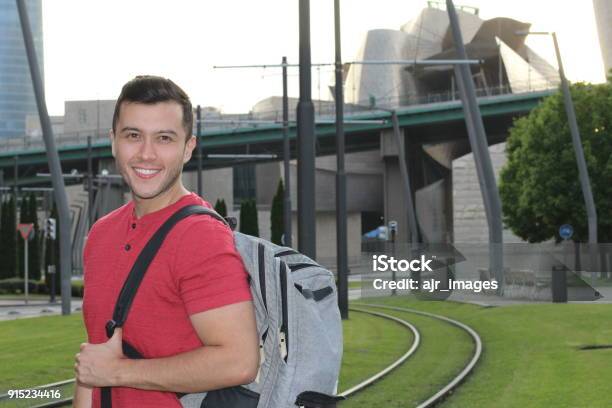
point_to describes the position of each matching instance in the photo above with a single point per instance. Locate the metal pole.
(401, 151)
(480, 149)
(25, 269)
(286, 161)
(583, 172)
(306, 143)
(341, 211)
(16, 196)
(52, 157)
(90, 175)
(199, 146)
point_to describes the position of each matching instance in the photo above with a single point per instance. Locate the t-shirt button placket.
(128, 247)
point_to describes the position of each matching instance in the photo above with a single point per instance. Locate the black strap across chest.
(136, 275)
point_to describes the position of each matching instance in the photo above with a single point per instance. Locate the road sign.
(566, 231)
(393, 225)
(25, 230)
(50, 228)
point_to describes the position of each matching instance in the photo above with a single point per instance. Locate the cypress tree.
(10, 239)
(4, 240)
(220, 207)
(277, 224)
(248, 218)
(254, 218)
(243, 222)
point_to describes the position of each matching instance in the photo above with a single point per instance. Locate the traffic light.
(50, 228)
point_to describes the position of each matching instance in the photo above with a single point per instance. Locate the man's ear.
(111, 135)
(189, 146)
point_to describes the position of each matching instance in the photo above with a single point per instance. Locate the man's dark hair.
(150, 89)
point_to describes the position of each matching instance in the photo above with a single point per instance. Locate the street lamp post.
(286, 161)
(306, 142)
(583, 172)
(341, 210)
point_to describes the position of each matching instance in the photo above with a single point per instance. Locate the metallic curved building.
(508, 64)
(16, 92)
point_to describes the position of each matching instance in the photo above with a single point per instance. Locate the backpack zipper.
(287, 252)
(297, 266)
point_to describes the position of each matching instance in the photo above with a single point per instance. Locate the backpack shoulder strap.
(132, 282)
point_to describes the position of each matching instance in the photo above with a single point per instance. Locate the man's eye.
(165, 138)
(132, 135)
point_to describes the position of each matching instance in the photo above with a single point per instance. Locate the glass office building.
(16, 91)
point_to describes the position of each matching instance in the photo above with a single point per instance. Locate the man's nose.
(147, 149)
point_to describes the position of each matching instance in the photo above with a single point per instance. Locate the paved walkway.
(481, 299)
(15, 309)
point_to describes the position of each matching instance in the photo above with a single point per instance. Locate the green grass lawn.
(39, 350)
(531, 357)
(354, 285)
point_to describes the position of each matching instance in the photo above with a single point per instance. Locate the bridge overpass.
(428, 124)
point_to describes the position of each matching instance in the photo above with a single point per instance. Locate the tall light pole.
(199, 151)
(341, 222)
(286, 162)
(55, 167)
(583, 172)
(306, 142)
(480, 150)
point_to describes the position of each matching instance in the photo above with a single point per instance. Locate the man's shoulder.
(111, 218)
(202, 225)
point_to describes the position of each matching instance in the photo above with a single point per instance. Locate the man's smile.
(145, 173)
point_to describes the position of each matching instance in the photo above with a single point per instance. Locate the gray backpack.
(298, 323)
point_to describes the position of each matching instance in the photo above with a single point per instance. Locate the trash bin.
(559, 284)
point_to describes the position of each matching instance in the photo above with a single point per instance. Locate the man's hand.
(97, 365)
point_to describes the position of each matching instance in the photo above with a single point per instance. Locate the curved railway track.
(430, 402)
(467, 369)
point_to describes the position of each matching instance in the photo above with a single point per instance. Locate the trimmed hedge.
(15, 286)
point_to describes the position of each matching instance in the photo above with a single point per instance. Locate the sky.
(92, 47)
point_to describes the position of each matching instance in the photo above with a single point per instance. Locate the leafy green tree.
(248, 218)
(540, 187)
(277, 224)
(221, 207)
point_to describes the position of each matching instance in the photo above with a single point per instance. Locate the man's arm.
(82, 396)
(230, 356)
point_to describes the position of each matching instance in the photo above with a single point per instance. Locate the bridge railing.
(323, 110)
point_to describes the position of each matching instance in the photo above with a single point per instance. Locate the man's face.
(149, 147)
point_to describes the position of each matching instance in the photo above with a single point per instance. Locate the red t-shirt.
(196, 269)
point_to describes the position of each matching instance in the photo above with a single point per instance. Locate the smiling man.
(192, 318)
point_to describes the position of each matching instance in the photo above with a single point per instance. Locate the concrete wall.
(326, 237)
(267, 176)
(470, 222)
(364, 184)
(88, 117)
(216, 183)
